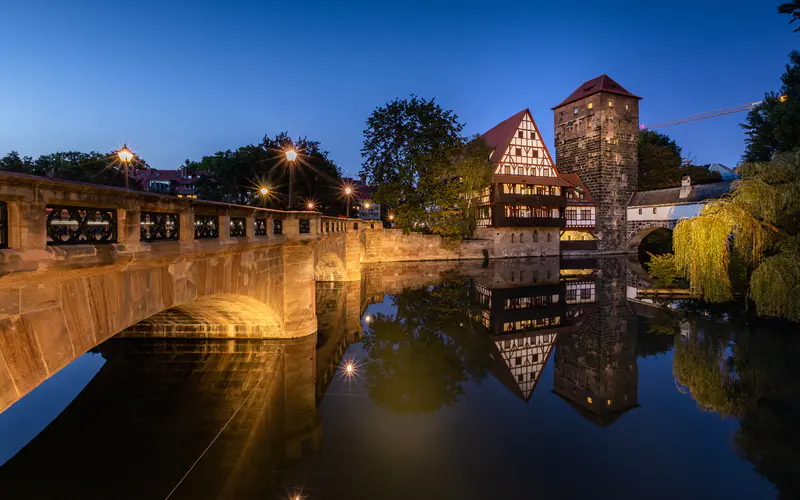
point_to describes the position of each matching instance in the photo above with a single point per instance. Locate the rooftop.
(671, 196)
(602, 83)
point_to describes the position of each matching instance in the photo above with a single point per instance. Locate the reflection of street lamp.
(291, 156)
(125, 155)
(366, 205)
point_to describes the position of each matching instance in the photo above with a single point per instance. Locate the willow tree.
(757, 225)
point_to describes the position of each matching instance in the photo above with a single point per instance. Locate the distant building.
(181, 183)
(363, 205)
(727, 174)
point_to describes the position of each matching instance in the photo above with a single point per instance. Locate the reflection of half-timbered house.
(522, 305)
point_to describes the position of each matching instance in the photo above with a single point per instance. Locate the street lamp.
(348, 191)
(310, 205)
(125, 155)
(291, 156)
(264, 191)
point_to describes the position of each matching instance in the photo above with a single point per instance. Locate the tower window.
(519, 151)
(610, 104)
(590, 106)
(654, 209)
(640, 211)
(627, 107)
(575, 112)
(533, 135)
(519, 133)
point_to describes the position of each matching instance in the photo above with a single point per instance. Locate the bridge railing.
(39, 214)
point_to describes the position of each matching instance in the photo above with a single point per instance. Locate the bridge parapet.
(49, 220)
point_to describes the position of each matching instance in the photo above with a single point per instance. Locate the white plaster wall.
(664, 212)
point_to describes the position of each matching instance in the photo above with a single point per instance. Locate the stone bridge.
(81, 263)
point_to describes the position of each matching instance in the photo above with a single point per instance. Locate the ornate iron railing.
(260, 227)
(277, 226)
(238, 227)
(206, 226)
(156, 226)
(3, 225)
(80, 225)
(305, 226)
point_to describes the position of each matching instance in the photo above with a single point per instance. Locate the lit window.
(591, 105)
(608, 402)
(575, 112)
(519, 151)
(627, 107)
(589, 399)
(610, 104)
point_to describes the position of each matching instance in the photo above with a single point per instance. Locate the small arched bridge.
(80, 263)
(649, 211)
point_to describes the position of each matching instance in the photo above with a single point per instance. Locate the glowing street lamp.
(348, 192)
(291, 156)
(366, 205)
(125, 155)
(311, 205)
(264, 191)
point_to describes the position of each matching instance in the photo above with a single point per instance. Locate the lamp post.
(348, 192)
(125, 155)
(291, 156)
(311, 205)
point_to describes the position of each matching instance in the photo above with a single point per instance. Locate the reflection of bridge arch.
(330, 267)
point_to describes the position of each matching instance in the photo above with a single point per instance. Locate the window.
(590, 106)
(575, 112)
(535, 236)
(533, 135)
(627, 107)
(519, 151)
(520, 240)
(549, 237)
(519, 134)
(512, 237)
(610, 104)
(535, 153)
(507, 170)
(586, 214)
(640, 211)
(654, 209)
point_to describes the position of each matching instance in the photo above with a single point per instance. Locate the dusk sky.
(179, 81)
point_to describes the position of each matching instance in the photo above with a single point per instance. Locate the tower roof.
(602, 83)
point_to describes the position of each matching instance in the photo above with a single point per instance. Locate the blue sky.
(182, 80)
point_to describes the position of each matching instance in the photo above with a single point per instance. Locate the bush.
(662, 269)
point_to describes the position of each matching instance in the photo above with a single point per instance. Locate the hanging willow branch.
(758, 221)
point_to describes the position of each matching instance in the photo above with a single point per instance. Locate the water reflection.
(460, 366)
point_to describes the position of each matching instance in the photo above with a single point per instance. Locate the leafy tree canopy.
(92, 167)
(773, 126)
(792, 9)
(236, 176)
(661, 165)
(761, 218)
(426, 171)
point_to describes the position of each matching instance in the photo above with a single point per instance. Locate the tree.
(409, 150)
(92, 167)
(662, 270)
(236, 176)
(659, 161)
(700, 174)
(792, 9)
(774, 125)
(758, 223)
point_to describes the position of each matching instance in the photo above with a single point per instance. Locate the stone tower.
(596, 131)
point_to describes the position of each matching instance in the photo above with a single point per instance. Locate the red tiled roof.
(602, 83)
(502, 133)
(576, 181)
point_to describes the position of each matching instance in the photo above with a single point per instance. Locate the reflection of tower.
(522, 306)
(596, 370)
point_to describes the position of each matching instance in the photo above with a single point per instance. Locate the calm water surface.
(522, 379)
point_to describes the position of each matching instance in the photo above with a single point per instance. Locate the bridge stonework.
(638, 230)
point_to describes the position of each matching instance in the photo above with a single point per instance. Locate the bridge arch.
(638, 231)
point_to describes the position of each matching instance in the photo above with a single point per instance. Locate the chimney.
(686, 187)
